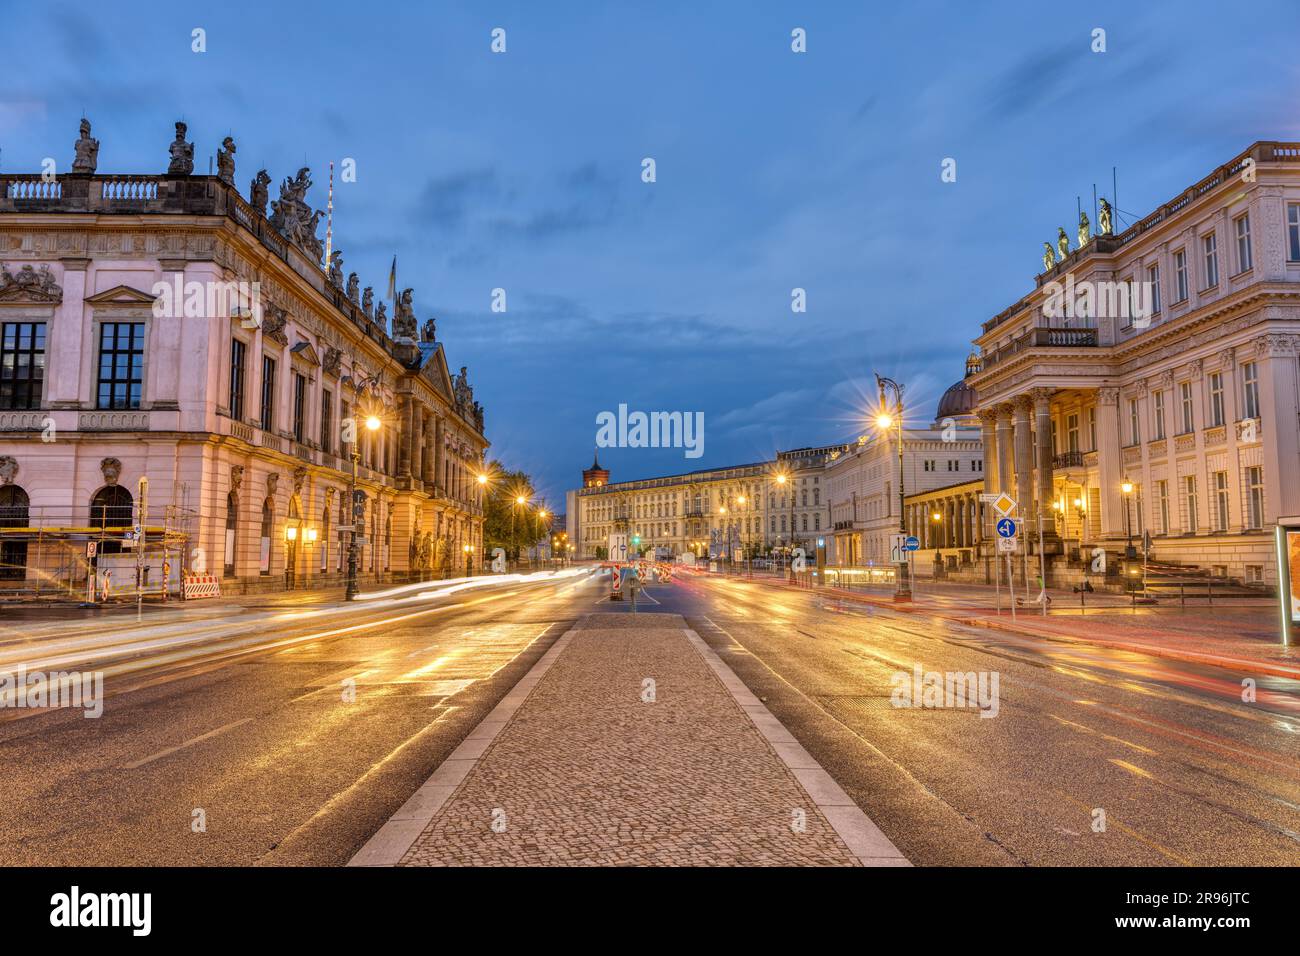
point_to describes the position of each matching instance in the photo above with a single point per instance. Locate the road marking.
(189, 743)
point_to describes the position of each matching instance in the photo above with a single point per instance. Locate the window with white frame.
(1180, 274)
(1210, 256)
(1216, 399)
(1250, 389)
(1153, 287)
(1162, 499)
(1293, 232)
(1242, 225)
(1189, 420)
(1189, 499)
(1158, 414)
(1220, 501)
(1255, 497)
(1134, 424)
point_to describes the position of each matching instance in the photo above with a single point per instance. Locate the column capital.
(1041, 397)
(1108, 395)
(1275, 345)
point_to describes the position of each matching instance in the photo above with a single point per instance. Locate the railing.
(132, 188)
(1039, 337)
(33, 187)
(242, 431)
(1069, 459)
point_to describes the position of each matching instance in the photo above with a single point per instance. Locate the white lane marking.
(189, 743)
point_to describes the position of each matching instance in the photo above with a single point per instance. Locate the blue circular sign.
(1006, 528)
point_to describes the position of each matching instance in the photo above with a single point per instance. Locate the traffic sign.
(1004, 504)
(898, 548)
(1006, 528)
(91, 548)
(1007, 544)
(913, 543)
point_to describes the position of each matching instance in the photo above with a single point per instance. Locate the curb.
(403, 828)
(1193, 657)
(863, 838)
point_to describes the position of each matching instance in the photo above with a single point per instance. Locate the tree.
(506, 523)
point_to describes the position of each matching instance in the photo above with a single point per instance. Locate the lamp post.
(1127, 489)
(893, 416)
(372, 423)
(783, 479)
(469, 557)
(290, 566)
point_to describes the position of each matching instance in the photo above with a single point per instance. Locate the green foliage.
(507, 524)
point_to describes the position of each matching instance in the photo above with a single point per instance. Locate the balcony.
(1069, 459)
(1038, 337)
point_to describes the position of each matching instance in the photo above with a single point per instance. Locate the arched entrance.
(111, 512)
(13, 550)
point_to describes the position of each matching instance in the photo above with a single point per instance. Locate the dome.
(959, 400)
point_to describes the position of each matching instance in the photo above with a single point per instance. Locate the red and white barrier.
(201, 586)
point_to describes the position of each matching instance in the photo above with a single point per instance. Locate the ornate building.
(716, 511)
(163, 326)
(1148, 382)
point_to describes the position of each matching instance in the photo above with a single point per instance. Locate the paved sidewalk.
(578, 766)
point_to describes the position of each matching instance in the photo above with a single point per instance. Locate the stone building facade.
(164, 326)
(1175, 378)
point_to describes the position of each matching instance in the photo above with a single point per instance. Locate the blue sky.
(775, 170)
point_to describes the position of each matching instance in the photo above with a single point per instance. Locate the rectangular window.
(299, 406)
(121, 364)
(1180, 274)
(1158, 416)
(1210, 252)
(1162, 496)
(1221, 500)
(1255, 489)
(238, 361)
(22, 364)
(267, 410)
(1216, 399)
(327, 420)
(1153, 288)
(1243, 243)
(1072, 433)
(1134, 425)
(1092, 428)
(1250, 389)
(1189, 415)
(1293, 231)
(1189, 486)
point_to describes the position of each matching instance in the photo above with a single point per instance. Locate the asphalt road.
(287, 771)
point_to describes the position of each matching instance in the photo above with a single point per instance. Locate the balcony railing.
(1038, 337)
(1069, 459)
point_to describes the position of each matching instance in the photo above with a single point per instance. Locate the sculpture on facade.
(1049, 257)
(381, 314)
(336, 269)
(8, 469)
(429, 332)
(29, 285)
(404, 323)
(368, 302)
(299, 479)
(182, 153)
(1104, 225)
(86, 150)
(272, 482)
(1085, 229)
(258, 191)
(463, 393)
(353, 290)
(478, 417)
(294, 219)
(332, 361)
(236, 477)
(111, 469)
(274, 320)
(226, 161)
(1062, 243)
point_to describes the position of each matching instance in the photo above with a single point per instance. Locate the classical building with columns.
(1148, 382)
(863, 482)
(715, 511)
(165, 326)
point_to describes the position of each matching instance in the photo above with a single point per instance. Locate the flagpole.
(329, 220)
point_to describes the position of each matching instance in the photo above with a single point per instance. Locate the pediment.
(121, 295)
(306, 353)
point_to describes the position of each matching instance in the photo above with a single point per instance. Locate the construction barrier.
(201, 586)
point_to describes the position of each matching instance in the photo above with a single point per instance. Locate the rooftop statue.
(257, 191)
(294, 218)
(1049, 257)
(368, 301)
(336, 268)
(429, 331)
(1085, 229)
(182, 153)
(354, 284)
(226, 162)
(1104, 225)
(1062, 243)
(87, 150)
(404, 317)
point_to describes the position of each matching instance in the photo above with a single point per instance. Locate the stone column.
(404, 444)
(438, 440)
(1110, 461)
(1004, 448)
(1046, 492)
(1024, 457)
(1280, 449)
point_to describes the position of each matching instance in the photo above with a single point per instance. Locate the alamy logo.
(953, 689)
(653, 430)
(207, 300)
(1133, 301)
(103, 909)
(37, 689)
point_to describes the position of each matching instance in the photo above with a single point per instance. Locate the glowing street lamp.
(1127, 488)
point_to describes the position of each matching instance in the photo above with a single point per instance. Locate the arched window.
(13, 550)
(111, 512)
(268, 531)
(232, 522)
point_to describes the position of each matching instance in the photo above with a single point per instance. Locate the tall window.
(1189, 417)
(1162, 497)
(264, 544)
(267, 410)
(1158, 414)
(238, 364)
(1189, 490)
(1180, 274)
(1216, 398)
(232, 522)
(327, 420)
(121, 364)
(1210, 252)
(1092, 428)
(1250, 389)
(13, 514)
(1134, 425)
(1221, 501)
(1293, 231)
(112, 509)
(22, 364)
(1072, 432)
(1255, 491)
(1153, 286)
(299, 406)
(1243, 242)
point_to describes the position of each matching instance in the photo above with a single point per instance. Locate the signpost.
(92, 548)
(1006, 529)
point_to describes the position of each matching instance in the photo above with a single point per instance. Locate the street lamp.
(1127, 487)
(469, 556)
(886, 418)
(372, 423)
(782, 478)
(290, 566)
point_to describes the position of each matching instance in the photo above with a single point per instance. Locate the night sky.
(775, 170)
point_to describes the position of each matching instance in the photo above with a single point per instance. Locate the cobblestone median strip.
(629, 743)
